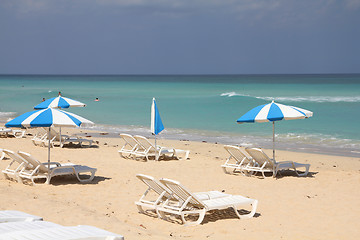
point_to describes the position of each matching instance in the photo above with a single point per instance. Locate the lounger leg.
(197, 222)
(249, 215)
(86, 180)
(161, 214)
(307, 166)
(224, 169)
(140, 209)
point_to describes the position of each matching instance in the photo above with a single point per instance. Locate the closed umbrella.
(48, 117)
(274, 112)
(156, 123)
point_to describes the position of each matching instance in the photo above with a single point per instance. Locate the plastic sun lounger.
(2, 155)
(12, 132)
(130, 147)
(163, 194)
(266, 164)
(42, 230)
(160, 151)
(55, 138)
(190, 204)
(236, 160)
(16, 216)
(40, 170)
(13, 170)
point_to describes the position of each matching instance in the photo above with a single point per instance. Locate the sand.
(324, 205)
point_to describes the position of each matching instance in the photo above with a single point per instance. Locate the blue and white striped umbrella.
(48, 117)
(156, 123)
(59, 102)
(274, 112)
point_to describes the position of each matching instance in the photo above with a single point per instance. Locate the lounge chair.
(130, 146)
(40, 230)
(236, 160)
(190, 204)
(17, 216)
(41, 170)
(61, 140)
(16, 165)
(2, 155)
(163, 194)
(265, 164)
(39, 138)
(160, 151)
(12, 132)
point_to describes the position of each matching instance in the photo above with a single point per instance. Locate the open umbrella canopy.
(48, 117)
(59, 102)
(274, 112)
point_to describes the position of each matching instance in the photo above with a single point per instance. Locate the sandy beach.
(323, 205)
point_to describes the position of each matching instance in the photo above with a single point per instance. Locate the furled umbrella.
(156, 123)
(274, 112)
(48, 117)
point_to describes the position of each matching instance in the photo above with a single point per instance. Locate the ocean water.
(205, 108)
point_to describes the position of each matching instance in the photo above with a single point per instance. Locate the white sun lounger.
(42, 230)
(17, 216)
(266, 164)
(236, 160)
(12, 132)
(130, 147)
(163, 194)
(2, 155)
(190, 204)
(160, 151)
(17, 164)
(41, 171)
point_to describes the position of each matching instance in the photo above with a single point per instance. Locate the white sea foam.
(319, 99)
(6, 116)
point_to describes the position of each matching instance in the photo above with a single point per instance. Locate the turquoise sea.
(205, 108)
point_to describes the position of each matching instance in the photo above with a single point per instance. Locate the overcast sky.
(179, 36)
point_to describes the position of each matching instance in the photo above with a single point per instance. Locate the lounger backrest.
(235, 152)
(260, 157)
(129, 139)
(54, 133)
(144, 142)
(152, 183)
(33, 161)
(181, 192)
(14, 156)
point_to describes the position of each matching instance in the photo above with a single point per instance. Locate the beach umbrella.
(274, 112)
(48, 117)
(156, 123)
(59, 102)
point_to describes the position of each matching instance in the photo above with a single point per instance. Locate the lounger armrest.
(51, 163)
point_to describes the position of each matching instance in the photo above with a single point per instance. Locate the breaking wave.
(319, 99)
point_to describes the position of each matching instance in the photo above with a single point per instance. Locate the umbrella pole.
(60, 136)
(274, 141)
(155, 149)
(49, 150)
